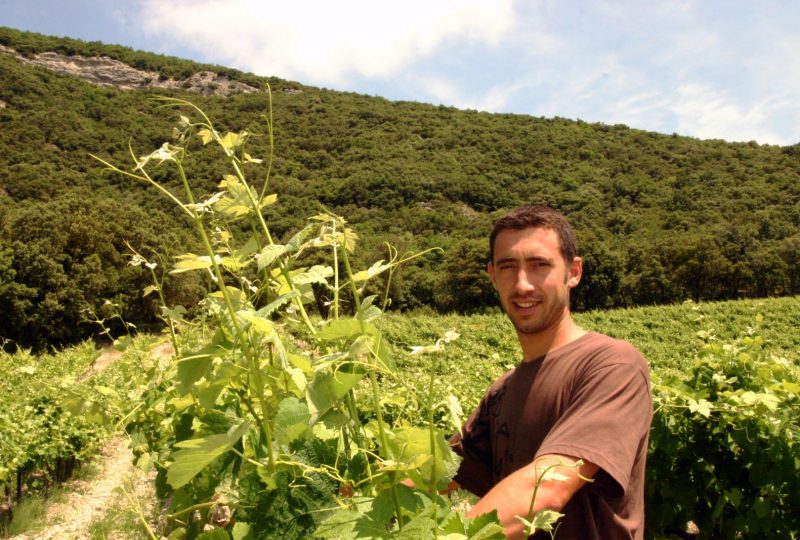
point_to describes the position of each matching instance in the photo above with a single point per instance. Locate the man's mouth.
(526, 304)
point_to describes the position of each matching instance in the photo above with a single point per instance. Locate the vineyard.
(726, 379)
(57, 410)
(676, 339)
(295, 407)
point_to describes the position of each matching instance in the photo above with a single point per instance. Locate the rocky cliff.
(106, 71)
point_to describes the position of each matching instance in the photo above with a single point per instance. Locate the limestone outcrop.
(105, 71)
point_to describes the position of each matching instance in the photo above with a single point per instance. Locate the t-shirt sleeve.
(607, 420)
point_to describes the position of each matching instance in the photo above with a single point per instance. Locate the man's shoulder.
(599, 339)
(500, 382)
(612, 350)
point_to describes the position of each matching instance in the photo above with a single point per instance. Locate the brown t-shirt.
(589, 399)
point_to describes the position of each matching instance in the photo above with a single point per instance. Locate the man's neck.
(537, 345)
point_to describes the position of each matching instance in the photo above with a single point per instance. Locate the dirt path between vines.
(88, 500)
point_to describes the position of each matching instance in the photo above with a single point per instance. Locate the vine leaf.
(346, 328)
(190, 261)
(291, 420)
(542, 521)
(372, 271)
(315, 274)
(193, 367)
(407, 444)
(483, 527)
(196, 454)
(269, 254)
(327, 389)
(270, 308)
(215, 534)
(348, 523)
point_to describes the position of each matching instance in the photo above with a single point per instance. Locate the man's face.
(532, 278)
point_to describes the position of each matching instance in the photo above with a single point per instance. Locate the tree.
(463, 282)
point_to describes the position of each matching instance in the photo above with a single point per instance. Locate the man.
(576, 395)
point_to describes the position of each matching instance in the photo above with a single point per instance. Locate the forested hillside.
(660, 218)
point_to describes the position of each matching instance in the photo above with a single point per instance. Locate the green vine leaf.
(346, 328)
(196, 454)
(315, 274)
(371, 272)
(270, 254)
(292, 421)
(190, 261)
(327, 389)
(206, 135)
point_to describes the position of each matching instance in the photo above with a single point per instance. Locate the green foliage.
(65, 258)
(55, 411)
(252, 409)
(723, 444)
(464, 284)
(43, 417)
(661, 219)
(723, 449)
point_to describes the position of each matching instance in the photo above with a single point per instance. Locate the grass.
(120, 521)
(30, 515)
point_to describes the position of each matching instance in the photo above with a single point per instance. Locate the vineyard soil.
(89, 500)
(93, 502)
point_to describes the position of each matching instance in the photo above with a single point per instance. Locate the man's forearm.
(513, 495)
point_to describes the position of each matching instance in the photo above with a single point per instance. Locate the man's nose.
(523, 284)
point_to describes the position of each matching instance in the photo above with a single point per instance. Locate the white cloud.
(324, 42)
(647, 108)
(443, 91)
(685, 66)
(707, 113)
(533, 32)
(446, 92)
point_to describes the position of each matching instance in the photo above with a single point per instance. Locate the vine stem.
(256, 208)
(139, 514)
(335, 273)
(431, 427)
(212, 255)
(252, 360)
(206, 123)
(170, 323)
(192, 508)
(270, 136)
(376, 403)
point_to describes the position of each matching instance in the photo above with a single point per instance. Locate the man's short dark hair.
(538, 216)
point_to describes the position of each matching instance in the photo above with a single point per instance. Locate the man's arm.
(512, 496)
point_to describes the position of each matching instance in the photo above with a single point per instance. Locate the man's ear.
(575, 272)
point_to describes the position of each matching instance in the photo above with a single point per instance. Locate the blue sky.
(708, 69)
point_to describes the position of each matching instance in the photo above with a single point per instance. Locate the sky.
(711, 69)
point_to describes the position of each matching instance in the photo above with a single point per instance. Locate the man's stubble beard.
(541, 324)
(552, 315)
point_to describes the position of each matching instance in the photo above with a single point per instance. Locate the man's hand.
(512, 496)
